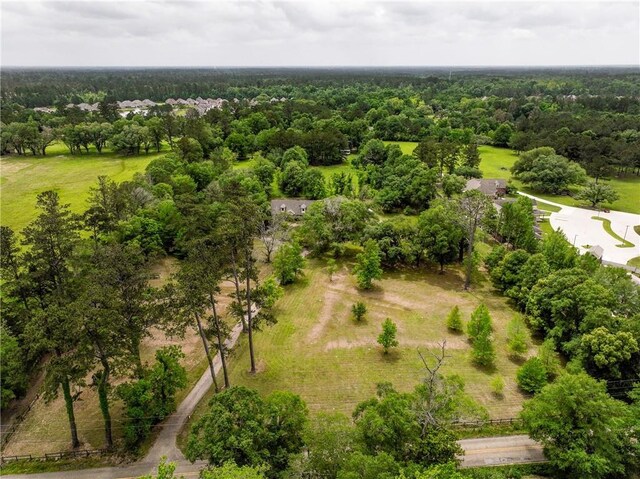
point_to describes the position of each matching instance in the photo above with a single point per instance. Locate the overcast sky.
(318, 33)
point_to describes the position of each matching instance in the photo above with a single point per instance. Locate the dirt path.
(331, 297)
(165, 444)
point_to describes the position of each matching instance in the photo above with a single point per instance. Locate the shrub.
(359, 310)
(517, 337)
(454, 320)
(497, 386)
(532, 376)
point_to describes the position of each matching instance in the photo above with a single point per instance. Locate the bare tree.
(473, 206)
(274, 232)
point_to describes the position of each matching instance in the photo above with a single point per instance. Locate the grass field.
(318, 351)
(71, 176)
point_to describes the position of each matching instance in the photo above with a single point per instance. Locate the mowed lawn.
(318, 351)
(22, 178)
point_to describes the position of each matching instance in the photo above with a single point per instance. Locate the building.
(296, 208)
(493, 188)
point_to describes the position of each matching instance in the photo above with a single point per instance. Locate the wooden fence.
(56, 456)
(488, 422)
(5, 435)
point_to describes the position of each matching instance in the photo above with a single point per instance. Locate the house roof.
(291, 206)
(489, 186)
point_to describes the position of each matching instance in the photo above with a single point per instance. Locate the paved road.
(488, 451)
(581, 230)
(165, 444)
(496, 451)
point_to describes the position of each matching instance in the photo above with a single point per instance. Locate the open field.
(319, 352)
(71, 176)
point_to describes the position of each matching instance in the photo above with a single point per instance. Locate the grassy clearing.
(34, 467)
(23, 178)
(318, 351)
(606, 224)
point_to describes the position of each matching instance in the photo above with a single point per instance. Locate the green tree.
(367, 266)
(288, 262)
(439, 235)
(480, 323)
(472, 206)
(454, 320)
(242, 427)
(53, 328)
(497, 386)
(598, 193)
(550, 173)
(483, 353)
(516, 223)
(583, 430)
(387, 338)
(12, 367)
(532, 376)
(329, 438)
(230, 471)
(502, 134)
(453, 185)
(549, 357)
(606, 353)
(359, 310)
(364, 466)
(517, 337)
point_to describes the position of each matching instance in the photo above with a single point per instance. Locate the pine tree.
(368, 265)
(454, 320)
(480, 323)
(483, 352)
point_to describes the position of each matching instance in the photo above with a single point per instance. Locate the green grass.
(634, 262)
(547, 207)
(496, 162)
(71, 176)
(34, 467)
(606, 224)
(407, 147)
(316, 350)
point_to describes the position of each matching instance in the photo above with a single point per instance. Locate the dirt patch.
(11, 167)
(329, 300)
(359, 343)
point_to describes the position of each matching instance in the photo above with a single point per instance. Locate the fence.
(56, 456)
(489, 422)
(6, 435)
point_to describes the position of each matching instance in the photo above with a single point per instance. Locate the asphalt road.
(498, 451)
(487, 451)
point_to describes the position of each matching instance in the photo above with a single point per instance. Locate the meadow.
(22, 178)
(317, 350)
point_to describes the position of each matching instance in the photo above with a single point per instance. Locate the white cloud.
(315, 32)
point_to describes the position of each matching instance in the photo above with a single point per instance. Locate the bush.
(517, 337)
(532, 376)
(359, 310)
(454, 320)
(497, 386)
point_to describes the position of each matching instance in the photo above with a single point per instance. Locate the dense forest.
(591, 117)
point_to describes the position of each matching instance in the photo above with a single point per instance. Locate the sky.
(319, 33)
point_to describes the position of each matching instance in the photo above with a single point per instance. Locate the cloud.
(316, 32)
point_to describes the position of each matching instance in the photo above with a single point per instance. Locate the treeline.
(577, 115)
